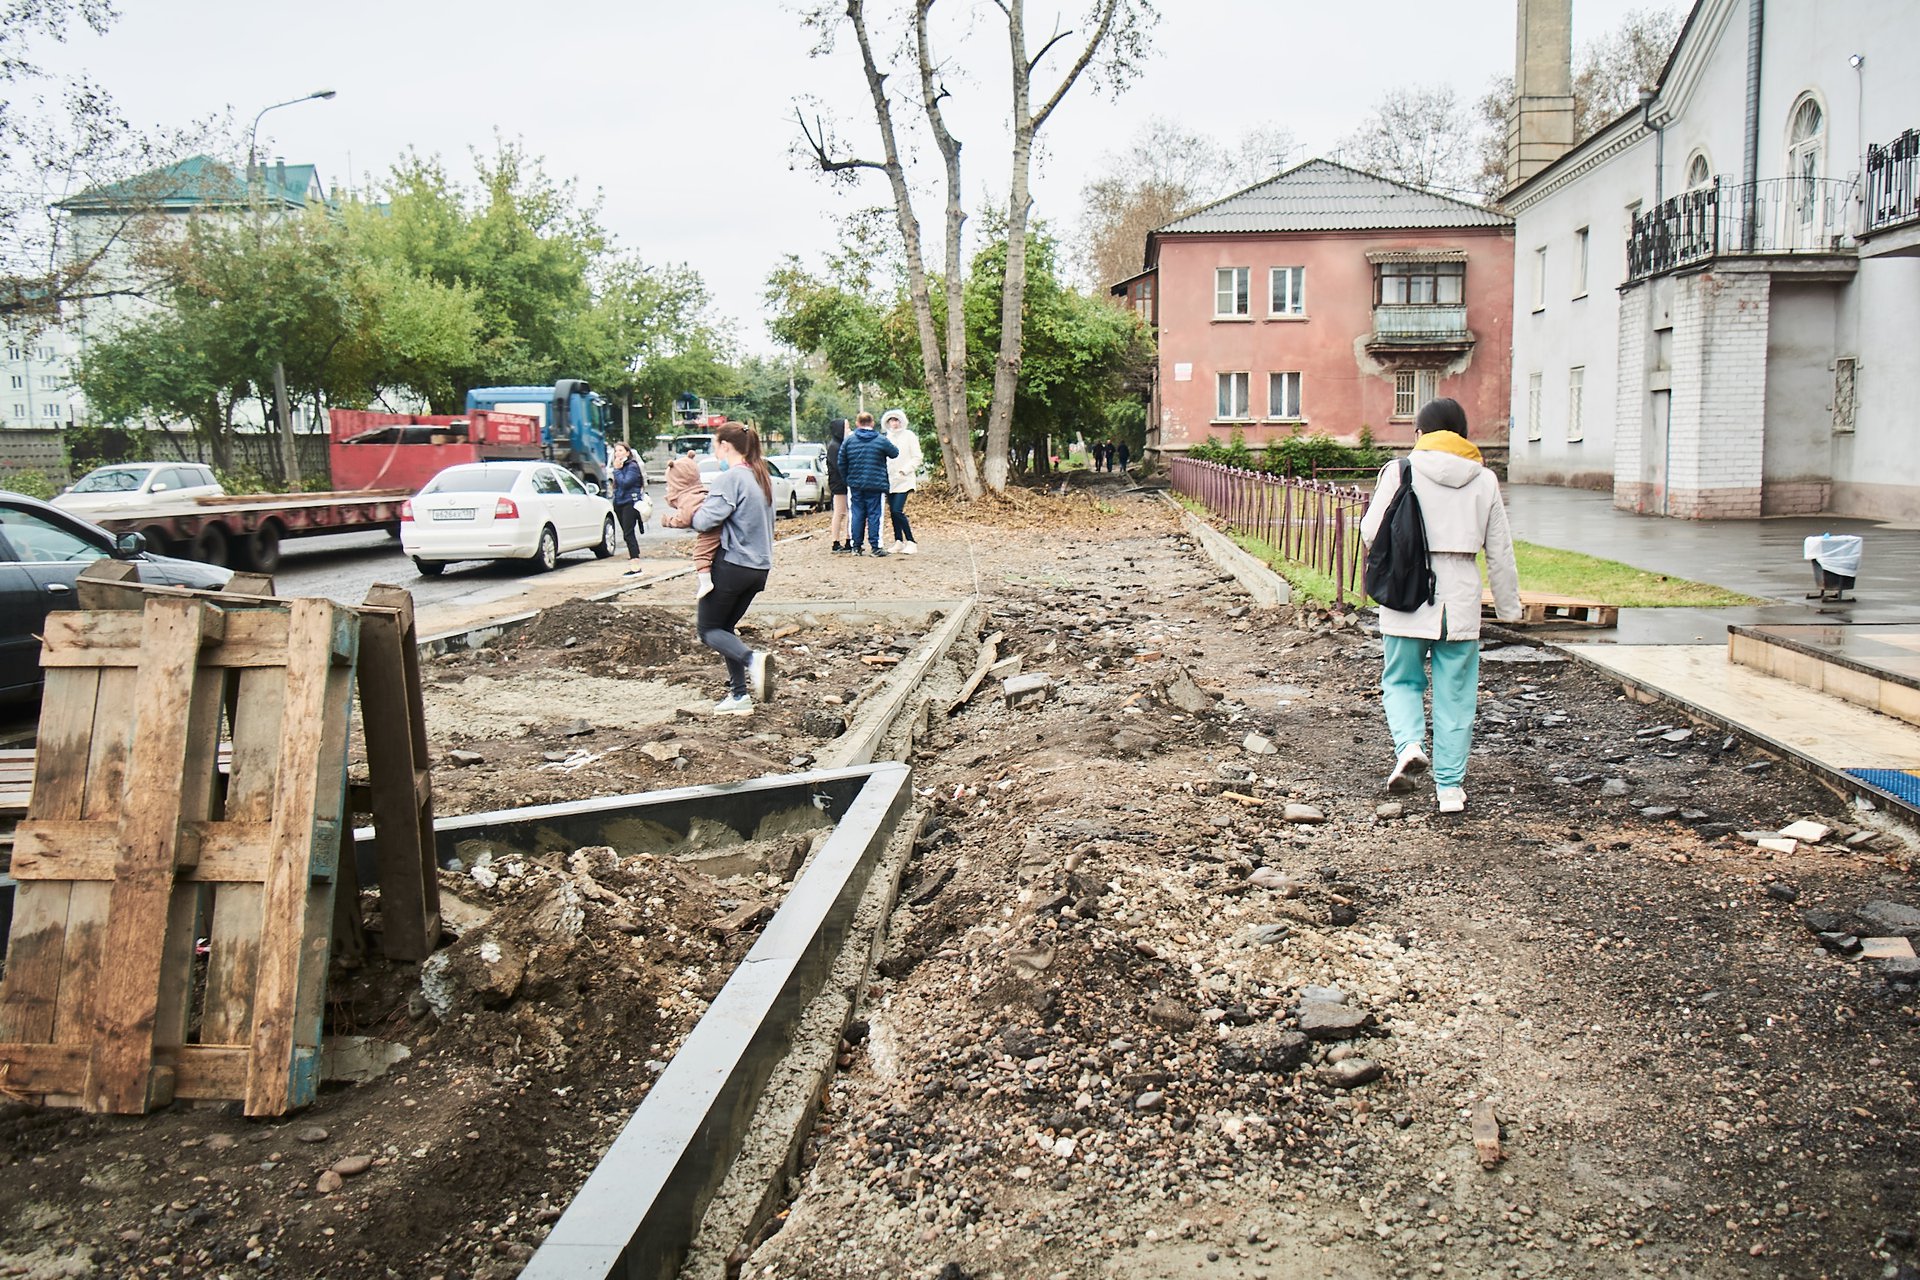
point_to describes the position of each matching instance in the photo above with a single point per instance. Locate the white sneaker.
(760, 675)
(1452, 799)
(705, 582)
(734, 705)
(1411, 764)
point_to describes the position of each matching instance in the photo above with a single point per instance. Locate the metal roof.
(199, 182)
(1322, 195)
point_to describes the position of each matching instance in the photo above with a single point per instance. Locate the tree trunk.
(956, 434)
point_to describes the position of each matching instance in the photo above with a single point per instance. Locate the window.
(13, 352)
(46, 353)
(1806, 139)
(1288, 289)
(32, 538)
(1581, 240)
(1576, 395)
(545, 482)
(1699, 171)
(19, 410)
(1413, 388)
(1540, 278)
(1413, 284)
(1232, 395)
(1231, 295)
(50, 410)
(1283, 395)
(1143, 298)
(19, 383)
(1533, 406)
(574, 488)
(49, 382)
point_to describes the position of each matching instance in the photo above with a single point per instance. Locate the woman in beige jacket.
(1461, 508)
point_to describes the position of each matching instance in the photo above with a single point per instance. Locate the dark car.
(42, 550)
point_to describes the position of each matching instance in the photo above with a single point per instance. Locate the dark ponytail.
(747, 441)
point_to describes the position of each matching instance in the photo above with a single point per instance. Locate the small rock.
(1894, 919)
(312, 1133)
(1841, 943)
(1276, 879)
(1659, 811)
(465, 759)
(1342, 914)
(1391, 809)
(1030, 689)
(1678, 735)
(1777, 844)
(660, 752)
(1322, 1021)
(222, 1142)
(1614, 787)
(1351, 1073)
(1757, 767)
(1256, 745)
(1783, 891)
(351, 1166)
(1266, 935)
(818, 723)
(329, 1183)
(1819, 920)
(576, 729)
(1809, 832)
(1151, 1100)
(1324, 995)
(1304, 814)
(555, 757)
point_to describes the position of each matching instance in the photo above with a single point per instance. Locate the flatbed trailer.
(245, 530)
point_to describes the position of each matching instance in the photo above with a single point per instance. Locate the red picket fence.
(1315, 523)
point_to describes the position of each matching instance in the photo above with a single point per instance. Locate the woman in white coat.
(1461, 508)
(903, 473)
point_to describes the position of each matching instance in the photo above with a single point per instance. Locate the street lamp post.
(289, 451)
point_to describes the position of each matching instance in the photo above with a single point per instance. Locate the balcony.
(1776, 216)
(1437, 327)
(1893, 198)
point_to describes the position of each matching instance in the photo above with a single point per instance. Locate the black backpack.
(1399, 572)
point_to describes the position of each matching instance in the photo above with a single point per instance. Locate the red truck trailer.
(379, 460)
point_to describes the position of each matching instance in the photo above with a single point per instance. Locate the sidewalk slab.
(1828, 735)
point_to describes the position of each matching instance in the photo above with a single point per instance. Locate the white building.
(1717, 296)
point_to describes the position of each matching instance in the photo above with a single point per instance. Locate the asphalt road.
(342, 566)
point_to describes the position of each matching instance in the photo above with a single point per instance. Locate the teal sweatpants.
(1456, 687)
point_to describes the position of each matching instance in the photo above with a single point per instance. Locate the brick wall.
(1719, 394)
(1630, 398)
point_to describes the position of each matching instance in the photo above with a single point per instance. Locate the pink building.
(1326, 300)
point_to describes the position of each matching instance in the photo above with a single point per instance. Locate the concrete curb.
(1268, 589)
(878, 718)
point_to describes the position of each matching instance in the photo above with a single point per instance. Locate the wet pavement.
(1757, 557)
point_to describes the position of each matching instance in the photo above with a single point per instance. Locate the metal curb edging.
(1268, 589)
(644, 1201)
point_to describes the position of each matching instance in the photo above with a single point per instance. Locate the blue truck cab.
(573, 419)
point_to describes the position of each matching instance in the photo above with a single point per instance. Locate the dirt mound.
(605, 638)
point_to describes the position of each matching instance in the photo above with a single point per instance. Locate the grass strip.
(1551, 571)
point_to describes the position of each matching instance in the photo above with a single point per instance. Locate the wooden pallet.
(131, 852)
(1539, 610)
(393, 718)
(16, 782)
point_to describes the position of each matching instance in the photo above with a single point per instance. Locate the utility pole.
(793, 410)
(289, 449)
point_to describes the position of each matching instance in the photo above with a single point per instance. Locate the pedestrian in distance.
(903, 474)
(738, 507)
(629, 484)
(863, 457)
(837, 483)
(1099, 455)
(1126, 456)
(1463, 515)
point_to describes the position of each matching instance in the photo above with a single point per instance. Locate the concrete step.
(1871, 666)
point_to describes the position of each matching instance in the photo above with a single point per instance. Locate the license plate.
(454, 513)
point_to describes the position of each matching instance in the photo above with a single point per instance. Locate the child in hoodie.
(1461, 509)
(685, 493)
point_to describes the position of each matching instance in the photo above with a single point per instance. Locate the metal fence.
(1315, 523)
(1893, 182)
(1772, 216)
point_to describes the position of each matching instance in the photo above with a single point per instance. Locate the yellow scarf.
(1448, 442)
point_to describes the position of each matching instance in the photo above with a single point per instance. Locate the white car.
(504, 511)
(809, 478)
(133, 488)
(785, 501)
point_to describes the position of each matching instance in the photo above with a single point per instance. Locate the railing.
(1419, 323)
(1893, 182)
(1773, 216)
(1314, 523)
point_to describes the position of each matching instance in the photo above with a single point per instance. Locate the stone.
(1006, 668)
(1303, 814)
(1351, 1073)
(1820, 920)
(465, 759)
(222, 1142)
(1842, 943)
(1904, 972)
(661, 752)
(1757, 767)
(1183, 694)
(1777, 844)
(816, 722)
(1810, 832)
(1325, 995)
(555, 757)
(1266, 935)
(1256, 745)
(577, 729)
(1693, 815)
(352, 1166)
(1030, 962)
(1173, 1015)
(1031, 689)
(311, 1134)
(1277, 880)
(1783, 891)
(1678, 735)
(1151, 1100)
(1886, 949)
(1659, 811)
(1320, 1020)
(329, 1183)
(359, 1059)
(1342, 914)
(1614, 787)
(1894, 919)
(1390, 810)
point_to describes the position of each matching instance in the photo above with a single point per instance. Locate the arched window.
(1806, 138)
(1699, 171)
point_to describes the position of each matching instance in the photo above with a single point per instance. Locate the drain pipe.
(1750, 166)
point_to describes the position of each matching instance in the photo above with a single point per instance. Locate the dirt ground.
(1131, 1020)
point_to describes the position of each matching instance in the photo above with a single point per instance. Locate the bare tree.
(1116, 34)
(945, 374)
(1419, 135)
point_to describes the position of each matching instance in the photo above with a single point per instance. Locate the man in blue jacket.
(863, 461)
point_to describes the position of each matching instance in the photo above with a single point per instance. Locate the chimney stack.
(1540, 125)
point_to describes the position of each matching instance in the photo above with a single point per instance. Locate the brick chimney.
(1540, 124)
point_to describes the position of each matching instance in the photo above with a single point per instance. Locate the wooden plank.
(198, 1071)
(234, 936)
(393, 721)
(115, 584)
(37, 943)
(108, 584)
(297, 915)
(172, 710)
(212, 852)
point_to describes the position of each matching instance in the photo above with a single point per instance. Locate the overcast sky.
(681, 114)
